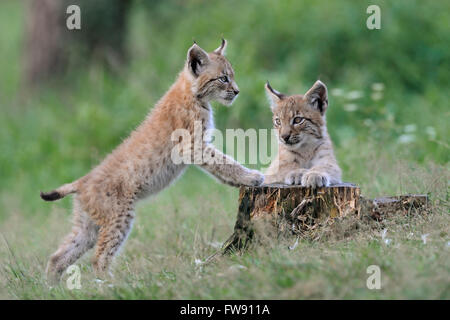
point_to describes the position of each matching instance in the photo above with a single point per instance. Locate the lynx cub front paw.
(295, 176)
(252, 178)
(315, 179)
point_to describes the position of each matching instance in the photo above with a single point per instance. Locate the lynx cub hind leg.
(82, 238)
(305, 150)
(111, 237)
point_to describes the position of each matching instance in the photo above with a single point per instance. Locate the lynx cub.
(305, 151)
(142, 165)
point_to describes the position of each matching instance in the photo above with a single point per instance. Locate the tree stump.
(274, 210)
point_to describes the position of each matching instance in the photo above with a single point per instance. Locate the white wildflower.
(410, 128)
(355, 94)
(198, 262)
(350, 107)
(406, 138)
(237, 267)
(383, 237)
(431, 132)
(376, 96)
(390, 117)
(215, 244)
(337, 92)
(368, 122)
(378, 86)
(424, 238)
(294, 245)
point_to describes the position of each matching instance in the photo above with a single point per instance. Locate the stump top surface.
(287, 186)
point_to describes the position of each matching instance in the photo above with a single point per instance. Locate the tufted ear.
(197, 59)
(317, 96)
(273, 95)
(223, 47)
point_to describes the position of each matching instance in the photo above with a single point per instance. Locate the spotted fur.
(104, 204)
(305, 150)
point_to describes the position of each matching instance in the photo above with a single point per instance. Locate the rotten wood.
(274, 210)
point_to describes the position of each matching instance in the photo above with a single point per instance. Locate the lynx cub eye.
(223, 79)
(298, 120)
(277, 121)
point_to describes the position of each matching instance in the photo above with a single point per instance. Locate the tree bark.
(43, 46)
(272, 211)
(49, 44)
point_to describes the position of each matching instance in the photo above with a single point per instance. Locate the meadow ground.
(188, 222)
(389, 125)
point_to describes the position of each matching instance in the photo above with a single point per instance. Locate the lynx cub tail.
(305, 150)
(143, 165)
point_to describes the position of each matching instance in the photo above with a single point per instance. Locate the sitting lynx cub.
(305, 151)
(142, 165)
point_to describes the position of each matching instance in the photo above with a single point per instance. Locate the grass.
(393, 145)
(187, 223)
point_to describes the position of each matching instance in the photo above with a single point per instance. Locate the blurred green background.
(389, 88)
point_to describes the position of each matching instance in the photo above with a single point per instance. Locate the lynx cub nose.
(286, 137)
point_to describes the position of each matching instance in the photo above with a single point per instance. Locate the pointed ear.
(273, 95)
(317, 96)
(197, 59)
(223, 47)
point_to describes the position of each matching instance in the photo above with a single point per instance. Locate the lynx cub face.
(305, 150)
(298, 120)
(213, 75)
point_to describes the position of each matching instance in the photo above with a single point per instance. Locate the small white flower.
(410, 128)
(406, 138)
(383, 237)
(378, 86)
(448, 243)
(350, 107)
(355, 94)
(294, 245)
(198, 262)
(383, 234)
(376, 96)
(237, 267)
(337, 92)
(424, 238)
(390, 117)
(368, 122)
(215, 244)
(431, 132)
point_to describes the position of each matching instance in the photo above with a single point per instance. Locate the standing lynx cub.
(305, 151)
(142, 165)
